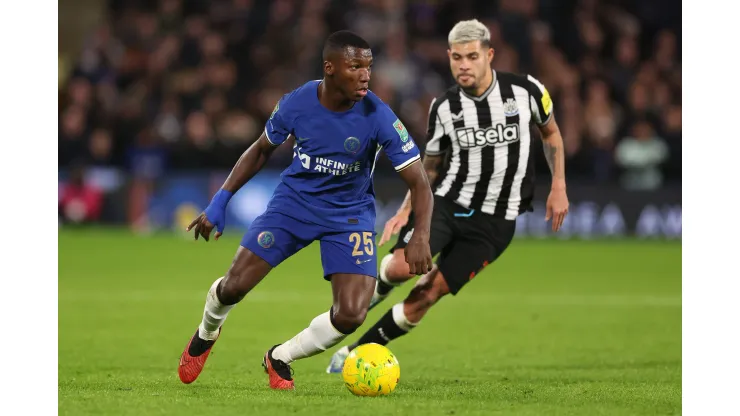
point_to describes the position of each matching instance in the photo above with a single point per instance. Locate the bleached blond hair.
(469, 31)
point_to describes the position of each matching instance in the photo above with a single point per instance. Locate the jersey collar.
(486, 92)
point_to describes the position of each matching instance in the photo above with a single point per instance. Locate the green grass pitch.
(553, 328)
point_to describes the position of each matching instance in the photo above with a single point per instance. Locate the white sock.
(214, 314)
(318, 337)
(384, 263)
(400, 318)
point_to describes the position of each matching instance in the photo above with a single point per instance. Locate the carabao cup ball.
(371, 370)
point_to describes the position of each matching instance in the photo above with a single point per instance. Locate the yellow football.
(371, 370)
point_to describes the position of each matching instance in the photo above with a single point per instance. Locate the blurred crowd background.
(161, 86)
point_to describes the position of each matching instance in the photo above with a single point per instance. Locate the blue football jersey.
(330, 180)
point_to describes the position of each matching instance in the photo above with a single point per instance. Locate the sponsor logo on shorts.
(266, 239)
(475, 273)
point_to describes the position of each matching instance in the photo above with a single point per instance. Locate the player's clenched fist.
(418, 254)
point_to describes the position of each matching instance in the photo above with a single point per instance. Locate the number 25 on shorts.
(366, 241)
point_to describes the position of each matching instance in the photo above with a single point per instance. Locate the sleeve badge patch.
(546, 102)
(401, 130)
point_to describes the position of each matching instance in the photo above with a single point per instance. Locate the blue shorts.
(274, 237)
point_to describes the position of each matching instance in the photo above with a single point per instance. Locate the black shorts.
(466, 242)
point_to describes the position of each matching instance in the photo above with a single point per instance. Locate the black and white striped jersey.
(491, 166)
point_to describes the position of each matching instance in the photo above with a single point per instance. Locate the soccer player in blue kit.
(326, 195)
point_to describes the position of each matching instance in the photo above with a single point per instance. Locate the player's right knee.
(245, 272)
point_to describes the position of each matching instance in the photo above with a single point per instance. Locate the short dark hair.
(337, 41)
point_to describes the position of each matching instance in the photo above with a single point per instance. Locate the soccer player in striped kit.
(481, 125)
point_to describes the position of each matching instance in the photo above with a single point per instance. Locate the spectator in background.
(601, 121)
(72, 134)
(396, 67)
(671, 131)
(99, 173)
(100, 151)
(641, 156)
(625, 63)
(203, 77)
(79, 202)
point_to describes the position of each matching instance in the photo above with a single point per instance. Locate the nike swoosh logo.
(364, 261)
(183, 361)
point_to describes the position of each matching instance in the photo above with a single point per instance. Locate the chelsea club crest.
(266, 239)
(352, 144)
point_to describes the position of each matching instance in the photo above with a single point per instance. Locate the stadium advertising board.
(596, 211)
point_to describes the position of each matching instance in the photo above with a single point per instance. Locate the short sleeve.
(279, 126)
(437, 140)
(396, 140)
(540, 101)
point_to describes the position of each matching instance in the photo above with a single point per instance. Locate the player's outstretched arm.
(557, 201)
(394, 225)
(418, 253)
(250, 162)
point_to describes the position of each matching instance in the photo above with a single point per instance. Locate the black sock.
(199, 346)
(383, 332)
(384, 288)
